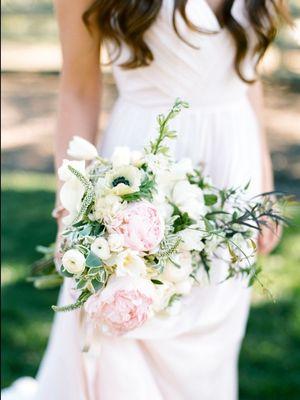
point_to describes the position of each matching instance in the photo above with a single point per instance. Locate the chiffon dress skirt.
(192, 355)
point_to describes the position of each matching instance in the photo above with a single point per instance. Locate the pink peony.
(122, 306)
(140, 225)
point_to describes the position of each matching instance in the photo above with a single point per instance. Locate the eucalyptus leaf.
(92, 260)
(96, 285)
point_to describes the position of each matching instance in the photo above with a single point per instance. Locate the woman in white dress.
(205, 52)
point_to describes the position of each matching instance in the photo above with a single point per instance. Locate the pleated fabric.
(193, 355)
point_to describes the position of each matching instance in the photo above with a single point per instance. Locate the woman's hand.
(269, 237)
(270, 234)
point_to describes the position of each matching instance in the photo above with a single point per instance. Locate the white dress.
(193, 355)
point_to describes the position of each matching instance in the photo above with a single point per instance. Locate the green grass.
(270, 358)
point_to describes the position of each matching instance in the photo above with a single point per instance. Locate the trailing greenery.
(164, 131)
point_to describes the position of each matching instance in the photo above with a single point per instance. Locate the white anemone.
(124, 180)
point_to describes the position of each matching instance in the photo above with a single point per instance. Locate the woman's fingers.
(269, 238)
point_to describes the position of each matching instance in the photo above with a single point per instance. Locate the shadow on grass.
(26, 313)
(270, 356)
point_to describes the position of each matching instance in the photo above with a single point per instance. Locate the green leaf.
(81, 284)
(156, 282)
(145, 190)
(182, 221)
(92, 260)
(210, 199)
(164, 132)
(70, 307)
(96, 285)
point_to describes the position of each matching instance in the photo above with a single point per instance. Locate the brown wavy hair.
(128, 20)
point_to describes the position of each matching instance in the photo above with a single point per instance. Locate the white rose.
(128, 262)
(189, 198)
(81, 149)
(121, 156)
(116, 242)
(73, 261)
(179, 272)
(191, 239)
(100, 247)
(65, 174)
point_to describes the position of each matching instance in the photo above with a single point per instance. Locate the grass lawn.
(270, 358)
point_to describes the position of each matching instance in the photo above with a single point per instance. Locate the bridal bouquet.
(142, 229)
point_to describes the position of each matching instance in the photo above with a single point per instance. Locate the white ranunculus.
(106, 207)
(191, 239)
(81, 149)
(128, 262)
(100, 247)
(65, 174)
(189, 198)
(121, 156)
(180, 269)
(124, 180)
(116, 242)
(73, 261)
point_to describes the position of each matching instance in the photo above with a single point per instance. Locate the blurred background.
(270, 358)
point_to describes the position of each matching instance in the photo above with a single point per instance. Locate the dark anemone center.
(120, 179)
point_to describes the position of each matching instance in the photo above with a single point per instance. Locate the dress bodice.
(202, 74)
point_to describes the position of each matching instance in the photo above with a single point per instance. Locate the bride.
(205, 52)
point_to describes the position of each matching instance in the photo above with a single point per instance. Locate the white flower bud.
(81, 149)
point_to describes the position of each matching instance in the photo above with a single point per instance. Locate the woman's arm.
(269, 238)
(257, 100)
(80, 82)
